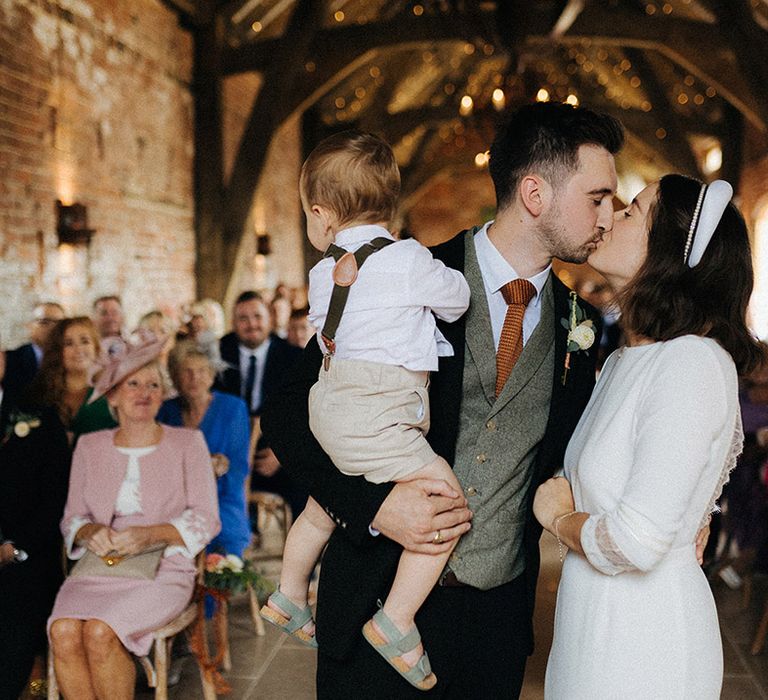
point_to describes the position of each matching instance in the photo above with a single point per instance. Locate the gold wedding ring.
(438, 538)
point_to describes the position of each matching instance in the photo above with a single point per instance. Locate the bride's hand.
(554, 497)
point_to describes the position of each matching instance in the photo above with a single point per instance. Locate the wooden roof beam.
(749, 41)
(355, 39)
(267, 114)
(675, 138)
(697, 47)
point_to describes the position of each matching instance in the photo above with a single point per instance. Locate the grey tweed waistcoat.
(499, 437)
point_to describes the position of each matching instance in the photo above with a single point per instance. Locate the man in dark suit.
(554, 175)
(258, 363)
(22, 364)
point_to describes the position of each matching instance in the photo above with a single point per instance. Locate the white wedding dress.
(635, 618)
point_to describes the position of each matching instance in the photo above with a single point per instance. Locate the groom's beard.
(553, 232)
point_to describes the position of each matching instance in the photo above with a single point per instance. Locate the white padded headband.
(713, 199)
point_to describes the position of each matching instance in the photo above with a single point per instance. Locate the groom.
(553, 171)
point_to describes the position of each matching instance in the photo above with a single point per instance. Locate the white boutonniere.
(581, 332)
(22, 424)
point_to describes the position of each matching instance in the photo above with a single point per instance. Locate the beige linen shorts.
(371, 419)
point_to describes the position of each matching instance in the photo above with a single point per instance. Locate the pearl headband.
(712, 201)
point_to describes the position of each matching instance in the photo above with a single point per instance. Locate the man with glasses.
(22, 364)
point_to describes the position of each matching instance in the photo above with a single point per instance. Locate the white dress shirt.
(260, 353)
(389, 313)
(496, 272)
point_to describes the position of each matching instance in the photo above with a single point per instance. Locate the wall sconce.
(263, 244)
(72, 223)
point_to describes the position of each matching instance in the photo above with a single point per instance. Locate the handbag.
(141, 566)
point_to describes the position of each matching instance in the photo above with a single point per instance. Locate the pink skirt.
(133, 608)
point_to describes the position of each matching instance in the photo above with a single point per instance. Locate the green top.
(92, 417)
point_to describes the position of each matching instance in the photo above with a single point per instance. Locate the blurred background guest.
(257, 364)
(202, 327)
(223, 419)
(23, 362)
(132, 489)
(281, 308)
(745, 520)
(34, 473)
(155, 324)
(64, 379)
(300, 330)
(109, 319)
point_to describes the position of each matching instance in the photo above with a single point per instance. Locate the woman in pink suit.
(132, 489)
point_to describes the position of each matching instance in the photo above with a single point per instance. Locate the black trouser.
(27, 592)
(476, 642)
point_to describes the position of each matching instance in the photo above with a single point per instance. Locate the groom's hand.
(415, 511)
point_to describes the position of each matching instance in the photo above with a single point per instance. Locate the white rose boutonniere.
(581, 332)
(21, 424)
(583, 335)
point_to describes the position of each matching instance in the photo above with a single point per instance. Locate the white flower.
(22, 429)
(222, 564)
(235, 563)
(583, 335)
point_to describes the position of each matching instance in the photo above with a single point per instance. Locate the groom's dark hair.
(544, 138)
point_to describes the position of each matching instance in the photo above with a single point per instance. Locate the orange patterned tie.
(517, 294)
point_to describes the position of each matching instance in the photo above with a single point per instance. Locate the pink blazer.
(177, 485)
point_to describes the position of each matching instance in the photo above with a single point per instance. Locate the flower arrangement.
(581, 332)
(229, 573)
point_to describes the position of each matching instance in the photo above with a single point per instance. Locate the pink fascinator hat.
(124, 359)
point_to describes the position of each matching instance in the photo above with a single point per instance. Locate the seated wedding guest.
(23, 362)
(34, 473)
(202, 327)
(156, 324)
(258, 364)
(281, 308)
(223, 419)
(107, 314)
(746, 518)
(142, 496)
(300, 330)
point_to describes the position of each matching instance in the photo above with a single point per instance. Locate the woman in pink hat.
(134, 489)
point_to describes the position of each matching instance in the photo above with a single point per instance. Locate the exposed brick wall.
(95, 107)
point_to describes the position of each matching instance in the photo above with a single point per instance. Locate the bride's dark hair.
(667, 299)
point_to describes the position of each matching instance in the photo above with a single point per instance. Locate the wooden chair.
(271, 506)
(157, 673)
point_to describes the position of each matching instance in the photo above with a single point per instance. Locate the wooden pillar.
(212, 269)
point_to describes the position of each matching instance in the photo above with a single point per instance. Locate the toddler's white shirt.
(389, 313)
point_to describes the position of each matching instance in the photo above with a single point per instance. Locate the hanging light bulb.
(465, 108)
(499, 99)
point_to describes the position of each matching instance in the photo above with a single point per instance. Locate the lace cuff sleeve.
(74, 551)
(193, 530)
(601, 549)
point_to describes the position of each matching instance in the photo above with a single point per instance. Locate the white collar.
(259, 353)
(358, 235)
(497, 271)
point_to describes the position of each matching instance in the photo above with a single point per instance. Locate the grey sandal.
(290, 625)
(420, 676)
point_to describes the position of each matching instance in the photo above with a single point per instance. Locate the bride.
(635, 616)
